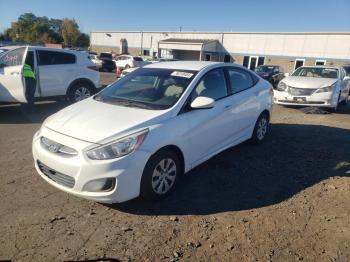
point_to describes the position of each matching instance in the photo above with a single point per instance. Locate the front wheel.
(261, 128)
(160, 175)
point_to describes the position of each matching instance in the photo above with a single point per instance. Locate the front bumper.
(127, 171)
(327, 99)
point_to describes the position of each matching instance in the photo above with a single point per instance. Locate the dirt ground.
(285, 200)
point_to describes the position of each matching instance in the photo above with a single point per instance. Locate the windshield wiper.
(129, 103)
(98, 98)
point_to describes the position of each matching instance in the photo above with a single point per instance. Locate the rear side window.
(239, 80)
(55, 58)
(138, 59)
(13, 57)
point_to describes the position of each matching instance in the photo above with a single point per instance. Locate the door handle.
(227, 107)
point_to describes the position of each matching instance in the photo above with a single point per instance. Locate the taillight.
(93, 68)
(271, 90)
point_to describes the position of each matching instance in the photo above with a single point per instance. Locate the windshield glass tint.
(149, 88)
(320, 72)
(264, 69)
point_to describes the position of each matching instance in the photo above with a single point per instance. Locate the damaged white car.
(321, 86)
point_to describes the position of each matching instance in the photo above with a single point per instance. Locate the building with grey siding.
(289, 50)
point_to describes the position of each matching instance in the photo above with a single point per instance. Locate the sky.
(201, 15)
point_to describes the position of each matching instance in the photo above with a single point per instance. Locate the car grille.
(302, 102)
(59, 178)
(57, 148)
(300, 91)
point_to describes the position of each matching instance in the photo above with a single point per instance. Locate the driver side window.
(212, 85)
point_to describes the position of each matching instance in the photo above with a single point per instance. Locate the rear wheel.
(160, 175)
(127, 66)
(80, 92)
(261, 128)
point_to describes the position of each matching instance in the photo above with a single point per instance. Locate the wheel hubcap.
(262, 128)
(164, 175)
(81, 93)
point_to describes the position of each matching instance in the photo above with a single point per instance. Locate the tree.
(70, 32)
(32, 29)
(39, 30)
(5, 36)
(83, 40)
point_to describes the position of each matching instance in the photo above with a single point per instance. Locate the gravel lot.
(285, 200)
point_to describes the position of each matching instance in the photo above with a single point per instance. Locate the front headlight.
(281, 86)
(326, 89)
(118, 148)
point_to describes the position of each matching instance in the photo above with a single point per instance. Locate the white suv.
(128, 61)
(58, 73)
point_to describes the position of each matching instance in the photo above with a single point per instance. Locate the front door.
(208, 128)
(12, 85)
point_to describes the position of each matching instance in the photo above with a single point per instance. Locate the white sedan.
(142, 133)
(320, 86)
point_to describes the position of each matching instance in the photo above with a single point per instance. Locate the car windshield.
(320, 72)
(149, 88)
(264, 69)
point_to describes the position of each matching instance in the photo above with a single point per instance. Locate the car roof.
(183, 65)
(43, 48)
(322, 66)
(269, 65)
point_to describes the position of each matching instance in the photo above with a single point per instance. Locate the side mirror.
(346, 78)
(203, 102)
(2, 65)
(286, 74)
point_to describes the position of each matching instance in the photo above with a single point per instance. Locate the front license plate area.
(299, 99)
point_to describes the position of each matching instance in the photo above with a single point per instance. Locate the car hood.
(97, 122)
(308, 82)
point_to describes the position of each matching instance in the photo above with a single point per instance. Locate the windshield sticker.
(182, 74)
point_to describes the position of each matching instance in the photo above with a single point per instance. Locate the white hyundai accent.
(321, 86)
(142, 133)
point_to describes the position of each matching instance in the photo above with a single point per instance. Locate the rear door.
(56, 71)
(12, 85)
(244, 108)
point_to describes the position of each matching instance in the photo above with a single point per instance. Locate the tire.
(127, 67)
(80, 91)
(161, 174)
(261, 129)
